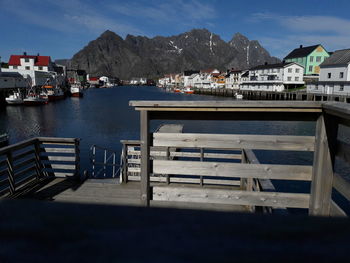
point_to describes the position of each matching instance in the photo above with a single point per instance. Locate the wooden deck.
(110, 192)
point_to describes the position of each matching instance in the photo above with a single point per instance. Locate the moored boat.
(35, 99)
(188, 90)
(15, 99)
(54, 93)
(177, 90)
(76, 90)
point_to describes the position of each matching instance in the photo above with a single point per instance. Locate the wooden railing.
(25, 164)
(325, 144)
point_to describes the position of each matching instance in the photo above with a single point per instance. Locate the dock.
(175, 200)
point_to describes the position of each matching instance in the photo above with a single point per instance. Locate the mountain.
(139, 56)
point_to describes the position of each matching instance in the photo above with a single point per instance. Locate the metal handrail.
(108, 155)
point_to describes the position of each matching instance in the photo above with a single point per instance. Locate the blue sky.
(60, 28)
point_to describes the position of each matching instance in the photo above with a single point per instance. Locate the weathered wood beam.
(145, 158)
(235, 141)
(239, 170)
(232, 197)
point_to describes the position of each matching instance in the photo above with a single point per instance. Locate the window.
(316, 87)
(311, 59)
(341, 75)
(341, 88)
(329, 75)
(40, 68)
(297, 70)
(318, 59)
(290, 70)
(15, 67)
(27, 68)
(310, 68)
(289, 78)
(26, 60)
(296, 78)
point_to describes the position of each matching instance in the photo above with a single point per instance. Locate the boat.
(177, 90)
(76, 90)
(33, 98)
(15, 99)
(54, 93)
(238, 96)
(188, 90)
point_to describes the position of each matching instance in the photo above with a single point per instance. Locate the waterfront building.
(36, 69)
(334, 75)
(274, 77)
(11, 80)
(187, 75)
(233, 79)
(309, 57)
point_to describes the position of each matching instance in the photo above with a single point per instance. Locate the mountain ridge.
(140, 56)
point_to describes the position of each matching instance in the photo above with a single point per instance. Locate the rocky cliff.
(137, 56)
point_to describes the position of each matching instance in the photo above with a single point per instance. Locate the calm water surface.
(104, 117)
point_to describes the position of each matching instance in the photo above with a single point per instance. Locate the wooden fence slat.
(343, 151)
(342, 186)
(58, 150)
(233, 197)
(235, 141)
(239, 170)
(336, 211)
(188, 180)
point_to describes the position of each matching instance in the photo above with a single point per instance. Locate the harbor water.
(103, 117)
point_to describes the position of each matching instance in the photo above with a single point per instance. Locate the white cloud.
(332, 32)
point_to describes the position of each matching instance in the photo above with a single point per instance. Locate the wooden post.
(145, 161)
(168, 158)
(322, 173)
(77, 158)
(201, 159)
(38, 164)
(125, 163)
(11, 175)
(243, 180)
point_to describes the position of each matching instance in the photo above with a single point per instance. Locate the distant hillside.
(138, 56)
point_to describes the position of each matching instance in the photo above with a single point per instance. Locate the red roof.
(15, 60)
(93, 78)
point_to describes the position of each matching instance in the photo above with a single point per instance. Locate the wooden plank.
(189, 154)
(233, 197)
(227, 104)
(56, 140)
(188, 180)
(24, 163)
(63, 174)
(24, 171)
(339, 109)
(10, 172)
(19, 145)
(336, 211)
(322, 174)
(235, 141)
(145, 158)
(263, 110)
(239, 170)
(63, 166)
(343, 151)
(60, 158)
(58, 150)
(77, 157)
(342, 186)
(23, 154)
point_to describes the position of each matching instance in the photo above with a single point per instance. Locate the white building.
(233, 79)
(274, 77)
(37, 70)
(334, 75)
(187, 77)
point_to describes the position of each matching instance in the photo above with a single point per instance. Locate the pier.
(274, 95)
(182, 169)
(173, 187)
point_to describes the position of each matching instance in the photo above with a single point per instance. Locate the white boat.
(15, 99)
(35, 99)
(238, 96)
(76, 90)
(188, 90)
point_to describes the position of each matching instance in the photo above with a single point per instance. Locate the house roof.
(301, 52)
(15, 60)
(268, 66)
(339, 57)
